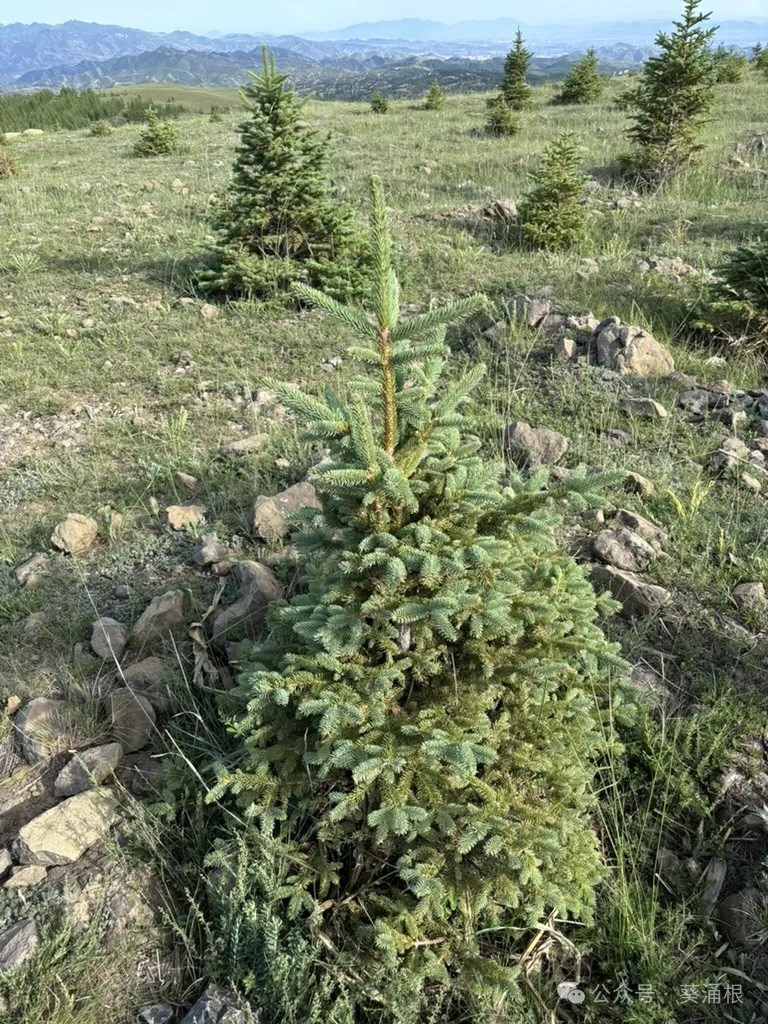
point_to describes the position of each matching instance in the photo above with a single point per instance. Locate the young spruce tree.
(422, 721)
(435, 97)
(159, 138)
(378, 104)
(516, 90)
(552, 214)
(673, 98)
(278, 221)
(582, 84)
(500, 120)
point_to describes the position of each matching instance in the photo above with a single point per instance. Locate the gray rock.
(695, 400)
(17, 944)
(88, 768)
(75, 535)
(533, 307)
(565, 350)
(731, 453)
(533, 447)
(635, 483)
(208, 551)
(133, 719)
(749, 597)
(611, 435)
(644, 528)
(108, 639)
(26, 875)
(270, 514)
(624, 549)
(643, 408)
(5, 862)
(162, 616)
(148, 678)
(668, 864)
(631, 350)
(245, 617)
(159, 1013)
(62, 834)
(43, 728)
(28, 573)
(637, 597)
(739, 917)
(217, 1006)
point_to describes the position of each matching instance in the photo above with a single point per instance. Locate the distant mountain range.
(397, 56)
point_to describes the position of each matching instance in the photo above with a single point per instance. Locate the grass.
(98, 414)
(190, 96)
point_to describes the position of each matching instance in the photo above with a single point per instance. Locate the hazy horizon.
(236, 16)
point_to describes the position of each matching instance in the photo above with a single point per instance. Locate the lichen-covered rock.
(533, 447)
(270, 514)
(631, 350)
(62, 834)
(162, 616)
(88, 768)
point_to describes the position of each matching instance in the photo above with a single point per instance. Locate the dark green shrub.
(215, 116)
(744, 276)
(500, 120)
(421, 723)
(582, 84)
(552, 214)
(378, 104)
(730, 67)
(517, 92)
(159, 138)
(101, 127)
(435, 97)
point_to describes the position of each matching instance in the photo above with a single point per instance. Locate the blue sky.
(308, 15)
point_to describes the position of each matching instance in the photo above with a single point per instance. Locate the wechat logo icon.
(570, 990)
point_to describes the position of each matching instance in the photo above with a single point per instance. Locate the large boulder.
(245, 617)
(631, 350)
(270, 514)
(533, 447)
(62, 834)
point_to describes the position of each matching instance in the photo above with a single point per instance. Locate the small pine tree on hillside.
(500, 120)
(760, 57)
(673, 99)
(101, 127)
(582, 84)
(552, 214)
(278, 221)
(516, 90)
(378, 104)
(421, 722)
(215, 116)
(744, 277)
(435, 97)
(159, 138)
(730, 67)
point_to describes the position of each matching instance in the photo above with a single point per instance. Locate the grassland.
(98, 413)
(192, 97)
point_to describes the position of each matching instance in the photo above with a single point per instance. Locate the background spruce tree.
(582, 84)
(435, 96)
(552, 214)
(159, 138)
(730, 67)
(278, 221)
(421, 723)
(673, 99)
(517, 92)
(378, 104)
(760, 58)
(500, 120)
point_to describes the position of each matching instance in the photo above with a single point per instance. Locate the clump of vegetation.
(159, 138)
(278, 221)
(420, 732)
(500, 120)
(552, 214)
(378, 104)
(215, 116)
(744, 276)
(760, 58)
(101, 127)
(582, 84)
(435, 97)
(673, 99)
(516, 91)
(9, 165)
(72, 109)
(730, 67)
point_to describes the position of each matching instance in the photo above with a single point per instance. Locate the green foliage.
(278, 221)
(435, 97)
(102, 127)
(673, 99)
(517, 92)
(72, 109)
(500, 120)
(744, 276)
(582, 84)
(730, 67)
(421, 723)
(552, 214)
(9, 165)
(159, 138)
(760, 58)
(378, 104)
(215, 116)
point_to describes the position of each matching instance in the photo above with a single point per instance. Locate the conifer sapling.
(553, 214)
(421, 722)
(582, 84)
(159, 138)
(500, 120)
(378, 104)
(435, 97)
(517, 92)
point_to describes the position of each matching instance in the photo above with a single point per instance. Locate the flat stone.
(162, 616)
(216, 1006)
(245, 617)
(17, 944)
(643, 408)
(26, 875)
(62, 834)
(739, 917)
(208, 551)
(644, 528)
(180, 517)
(28, 573)
(109, 639)
(75, 535)
(534, 447)
(637, 597)
(43, 728)
(624, 549)
(133, 719)
(271, 514)
(749, 597)
(88, 768)
(245, 445)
